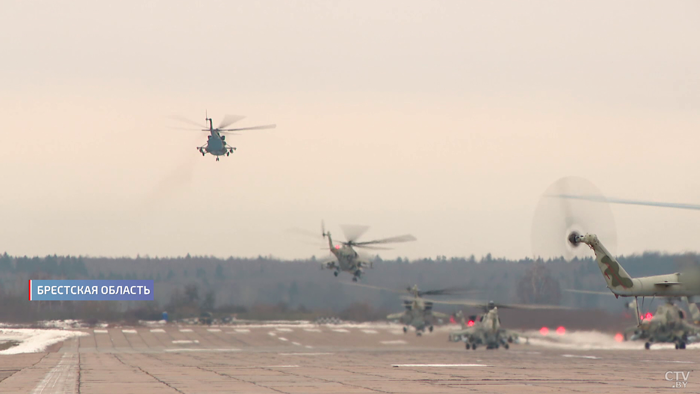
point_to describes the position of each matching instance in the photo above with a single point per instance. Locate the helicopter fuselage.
(347, 258)
(216, 144)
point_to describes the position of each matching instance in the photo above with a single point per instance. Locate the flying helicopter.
(216, 141)
(345, 258)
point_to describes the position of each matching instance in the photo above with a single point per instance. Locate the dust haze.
(446, 120)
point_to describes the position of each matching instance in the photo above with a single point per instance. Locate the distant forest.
(269, 288)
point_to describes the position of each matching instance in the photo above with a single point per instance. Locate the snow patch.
(399, 342)
(35, 340)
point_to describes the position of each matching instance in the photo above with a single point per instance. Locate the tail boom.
(619, 281)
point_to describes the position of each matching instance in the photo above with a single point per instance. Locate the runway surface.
(337, 359)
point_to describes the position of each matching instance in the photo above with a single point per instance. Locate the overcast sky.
(443, 119)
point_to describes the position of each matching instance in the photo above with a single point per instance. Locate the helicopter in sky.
(345, 258)
(216, 141)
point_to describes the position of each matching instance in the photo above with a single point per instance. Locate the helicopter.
(419, 312)
(216, 141)
(571, 224)
(345, 258)
(667, 325)
(485, 329)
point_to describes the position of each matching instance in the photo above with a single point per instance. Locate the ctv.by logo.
(679, 379)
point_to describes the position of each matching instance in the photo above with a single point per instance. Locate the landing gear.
(354, 278)
(467, 346)
(217, 159)
(228, 153)
(680, 345)
(648, 345)
(430, 328)
(473, 346)
(419, 333)
(335, 273)
(405, 330)
(506, 346)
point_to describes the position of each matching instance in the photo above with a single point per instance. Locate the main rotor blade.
(628, 202)
(369, 247)
(373, 287)
(448, 291)
(352, 232)
(605, 293)
(185, 120)
(228, 120)
(269, 126)
(185, 128)
(482, 304)
(400, 238)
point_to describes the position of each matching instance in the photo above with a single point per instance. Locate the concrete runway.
(329, 359)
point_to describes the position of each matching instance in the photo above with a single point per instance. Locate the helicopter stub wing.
(396, 316)
(666, 284)
(440, 315)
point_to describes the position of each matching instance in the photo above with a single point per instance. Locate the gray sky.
(444, 119)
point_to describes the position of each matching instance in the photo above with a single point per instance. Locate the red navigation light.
(561, 330)
(470, 323)
(619, 337)
(648, 316)
(337, 246)
(452, 319)
(544, 330)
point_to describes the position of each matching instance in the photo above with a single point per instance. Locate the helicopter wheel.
(473, 346)
(217, 159)
(228, 153)
(647, 345)
(405, 330)
(506, 346)
(335, 273)
(430, 328)
(354, 278)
